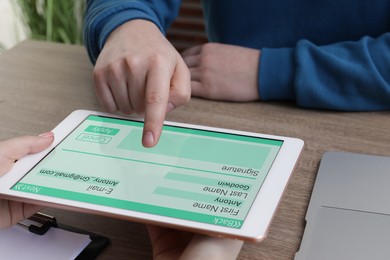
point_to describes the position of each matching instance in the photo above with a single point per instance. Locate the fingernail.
(46, 135)
(148, 139)
(170, 107)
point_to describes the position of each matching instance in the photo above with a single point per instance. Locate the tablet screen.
(191, 174)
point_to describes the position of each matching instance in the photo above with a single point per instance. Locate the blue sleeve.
(349, 76)
(102, 17)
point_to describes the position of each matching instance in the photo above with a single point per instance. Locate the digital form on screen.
(192, 174)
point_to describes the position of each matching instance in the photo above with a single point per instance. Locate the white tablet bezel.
(254, 227)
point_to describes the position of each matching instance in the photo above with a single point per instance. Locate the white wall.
(12, 29)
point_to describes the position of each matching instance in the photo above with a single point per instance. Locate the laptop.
(349, 211)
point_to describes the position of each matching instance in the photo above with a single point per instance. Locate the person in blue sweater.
(327, 54)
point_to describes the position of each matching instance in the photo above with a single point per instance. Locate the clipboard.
(41, 223)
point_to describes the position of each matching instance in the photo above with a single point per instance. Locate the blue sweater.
(331, 54)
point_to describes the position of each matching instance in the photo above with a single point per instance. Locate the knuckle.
(153, 97)
(184, 95)
(158, 60)
(207, 47)
(181, 97)
(132, 62)
(98, 74)
(113, 69)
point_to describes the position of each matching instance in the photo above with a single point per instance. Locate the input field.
(207, 181)
(195, 196)
(201, 148)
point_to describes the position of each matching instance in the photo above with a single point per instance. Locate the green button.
(101, 130)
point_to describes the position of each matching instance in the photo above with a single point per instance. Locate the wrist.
(276, 74)
(141, 26)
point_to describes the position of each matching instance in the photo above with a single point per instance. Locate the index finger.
(156, 101)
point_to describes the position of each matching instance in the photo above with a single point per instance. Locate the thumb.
(16, 148)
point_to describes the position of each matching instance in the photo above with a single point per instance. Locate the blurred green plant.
(2, 48)
(54, 20)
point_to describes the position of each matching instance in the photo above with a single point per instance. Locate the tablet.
(208, 180)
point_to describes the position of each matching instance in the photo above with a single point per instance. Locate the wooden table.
(41, 83)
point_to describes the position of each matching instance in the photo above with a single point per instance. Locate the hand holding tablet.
(11, 212)
(208, 180)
